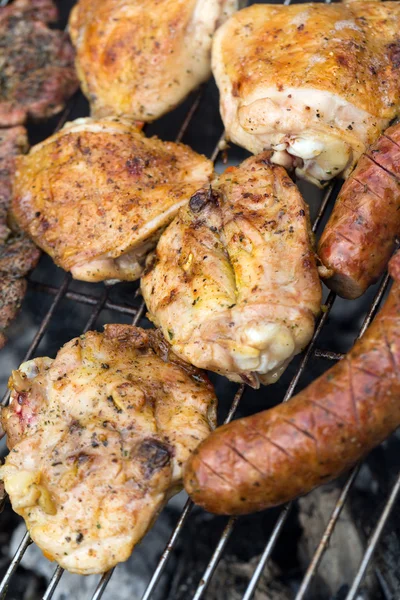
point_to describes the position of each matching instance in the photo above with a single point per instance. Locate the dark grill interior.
(57, 309)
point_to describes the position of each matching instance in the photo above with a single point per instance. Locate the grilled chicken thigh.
(142, 57)
(315, 83)
(97, 195)
(98, 439)
(37, 63)
(18, 254)
(233, 283)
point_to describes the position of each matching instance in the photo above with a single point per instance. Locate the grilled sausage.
(360, 235)
(272, 457)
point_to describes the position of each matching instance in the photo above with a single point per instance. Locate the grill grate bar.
(67, 111)
(101, 586)
(217, 148)
(89, 324)
(53, 583)
(343, 496)
(387, 595)
(322, 208)
(285, 512)
(97, 310)
(215, 558)
(168, 549)
(182, 519)
(375, 305)
(49, 315)
(25, 542)
(273, 538)
(374, 539)
(235, 403)
(42, 329)
(322, 546)
(282, 518)
(88, 299)
(139, 313)
(329, 303)
(212, 565)
(191, 112)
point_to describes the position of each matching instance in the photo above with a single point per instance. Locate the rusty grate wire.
(100, 303)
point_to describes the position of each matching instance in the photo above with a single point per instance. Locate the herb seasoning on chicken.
(98, 438)
(140, 58)
(97, 195)
(233, 283)
(315, 83)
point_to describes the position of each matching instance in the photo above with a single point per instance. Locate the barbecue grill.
(197, 123)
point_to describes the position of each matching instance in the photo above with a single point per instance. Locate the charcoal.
(345, 550)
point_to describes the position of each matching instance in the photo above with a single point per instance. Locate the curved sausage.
(361, 232)
(272, 457)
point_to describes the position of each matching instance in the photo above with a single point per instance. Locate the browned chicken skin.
(98, 439)
(315, 83)
(37, 63)
(234, 284)
(97, 195)
(153, 51)
(18, 254)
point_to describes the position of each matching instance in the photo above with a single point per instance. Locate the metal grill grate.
(101, 303)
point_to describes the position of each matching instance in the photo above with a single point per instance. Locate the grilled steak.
(37, 63)
(17, 253)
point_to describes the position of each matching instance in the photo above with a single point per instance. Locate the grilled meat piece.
(13, 141)
(153, 51)
(102, 182)
(12, 292)
(272, 457)
(234, 284)
(39, 10)
(315, 83)
(18, 254)
(360, 235)
(37, 63)
(98, 438)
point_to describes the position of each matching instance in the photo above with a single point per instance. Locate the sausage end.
(337, 280)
